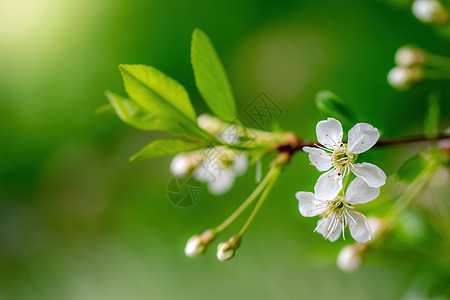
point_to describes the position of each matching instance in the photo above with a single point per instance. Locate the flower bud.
(402, 78)
(349, 258)
(209, 123)
(377, 226)
(194, 246)
(180, 165)
(407, 56)
(226, 250)
(183, 164)
(197, 244)
(430, 11)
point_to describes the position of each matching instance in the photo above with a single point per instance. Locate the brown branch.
(294, 143)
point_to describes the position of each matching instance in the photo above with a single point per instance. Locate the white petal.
(371, 174)
(360, 192)
(229, 135)
(323, 225)
(308, 205)
(360, 230)
(319, 158)
(210, 169)
(328, 185)
(240, 164)
(329, 228)
(329, 133)
(335, 230)
(362, 137)
(222, 183)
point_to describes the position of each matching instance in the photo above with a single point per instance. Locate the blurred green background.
(78, 221)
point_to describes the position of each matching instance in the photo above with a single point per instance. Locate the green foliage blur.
(78, 221)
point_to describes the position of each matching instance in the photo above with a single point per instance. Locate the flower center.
(342, 159)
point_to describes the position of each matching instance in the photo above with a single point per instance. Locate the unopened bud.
(226, 250)
(180, 165)
(407, 56)
(430, 11)
(209, 123)
(377, 226)
(197, 244)
(349, 259)
(183, 164)
(194, 246)
(402, 78)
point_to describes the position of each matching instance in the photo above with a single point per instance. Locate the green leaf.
(333, 106)
(412, 168)
(163, 98)
(167, 147)
(211, 78)
(134, 115)
(105, 108)
(432, 116)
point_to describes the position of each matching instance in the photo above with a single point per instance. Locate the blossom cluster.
(217, 166)
(330, 198)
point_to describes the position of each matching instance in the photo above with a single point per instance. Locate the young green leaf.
(163, 98)
(167, 147)
(105, 108)
(333, 106)
(432, 116)
(133, 115)
(211, 78)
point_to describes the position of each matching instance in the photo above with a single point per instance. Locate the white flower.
(429, 11)
(219, 168)
(338, 158)
(338, 211)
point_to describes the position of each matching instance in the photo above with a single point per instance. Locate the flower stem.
(405, 199)
(438, 61)
(249, 200)
(413, 189)
(436, 74)
(260, 201)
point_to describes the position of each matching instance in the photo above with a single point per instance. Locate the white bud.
(209, 123)
(226, 250)
(197, 244)
(407, 56)
(180, 165)
(430, 11)
(349, 259)
(194, 246)
(403, 78)
(377, 226)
